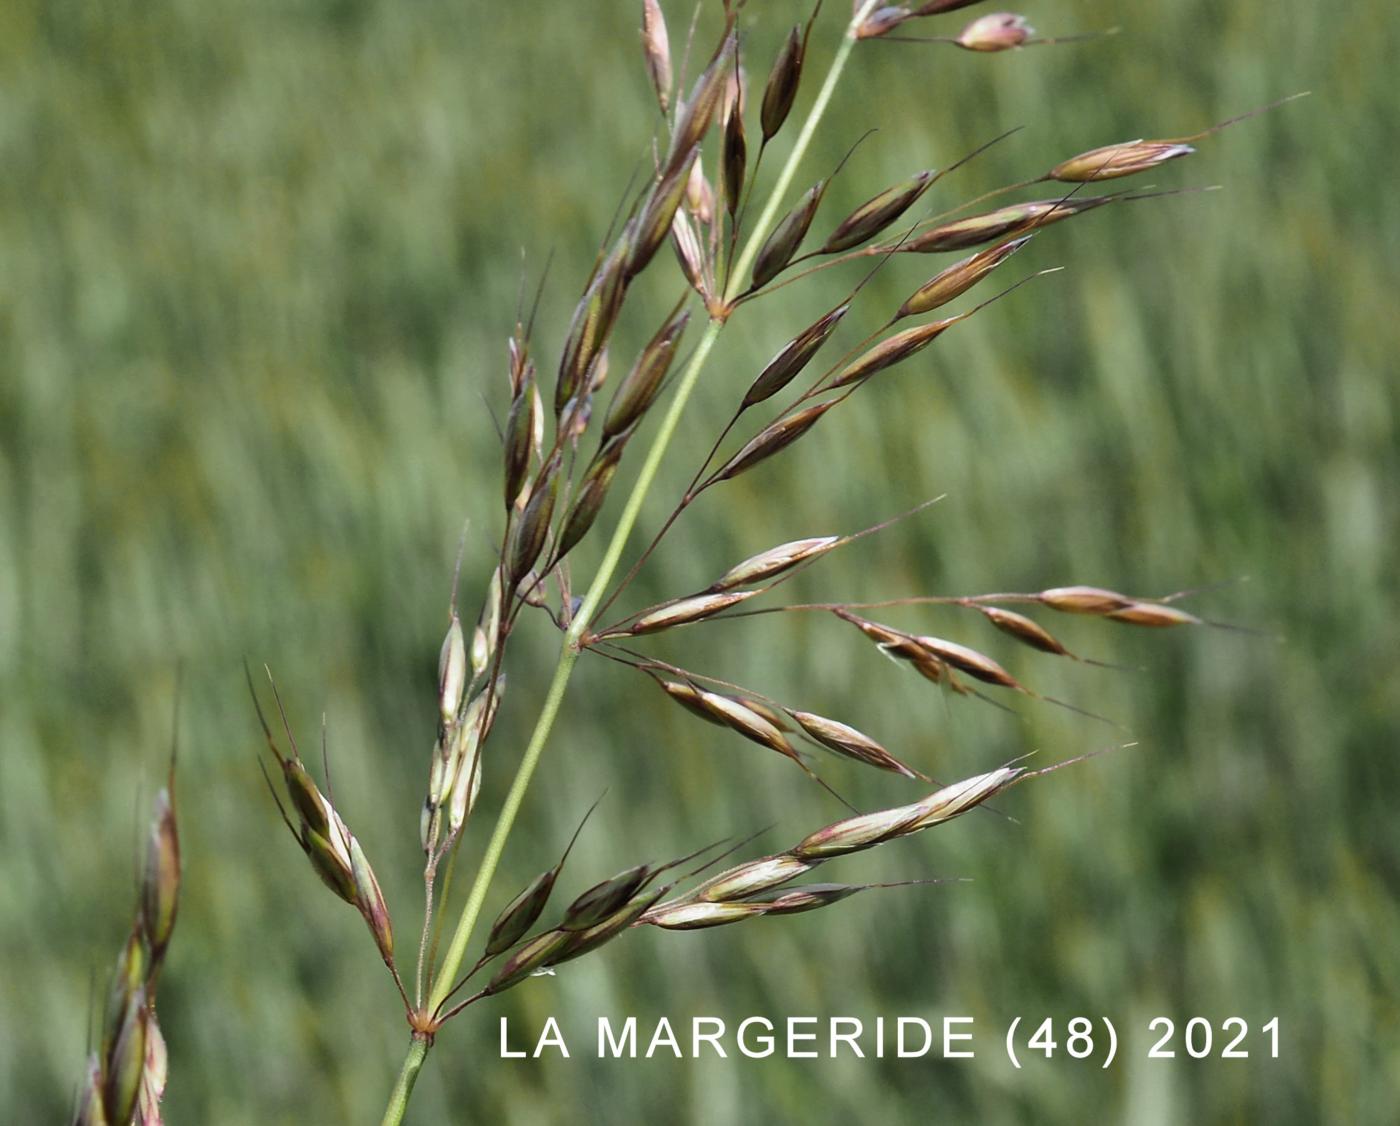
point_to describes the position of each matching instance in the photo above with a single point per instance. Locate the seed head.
(689, 254)
(533, 956)
(604, 899)
(783, 80)
(698, 112)
(519, 438)
(127, 1062)
(893, 350)
(596, 312)
(787, 235)
(452, 672)
(654, 223)
(487, 625)
(521, 913)
(656, 50)
(133, 969)
(748, 879)
(970, 661)
(687, 610)
(857, 833)
(160, 883)
(593, 490)
(697, 916)
(809, 897)
(1084, 600)
(882, 20)
(958, 278)
(735, 160)
(581, 942)
(774, 561)
(773, 439)
(846, 740)
(877, 213)
(1015, 219)
(793, 356)
(699, 196)
(1113, 161)
(1152, 614)
(738, 716)
(689, 697)
(1024, 629)
(533, 528)
(370, 900)
(641, 385)
(999, 31)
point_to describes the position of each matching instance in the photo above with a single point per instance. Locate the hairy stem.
(569, 651)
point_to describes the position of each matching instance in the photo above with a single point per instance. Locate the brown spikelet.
(846, 740)
(795, 355)
(697, 916)
(592, 491)
(774, 561)
(970, 661)
(809, 897)
(520, 428)
(654, 222)
(370, 900)
(160, 882)
(1152, 614)
(1024, 629)
(699, 195)
(783, 80)
(533, 528)
(1015, 219)
(603, 899)
(1083, 600)
(1113, 161)
(689, 697)
(739, 716)
(903, 647)
(521, 913)
(1000, 31)
(583, 941)
(958, 278)
(687, 610)
(656, 50)
(877, 213)
(881, 21)
(773, 439)
(641, 385)
(893, 350)
(855, 834)
(698, 112)
(734, 160)
(750, 878)
(530, 958)
(592, 323)
(787, 235)
(689, 254)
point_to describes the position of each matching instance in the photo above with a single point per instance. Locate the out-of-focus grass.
(258, 265)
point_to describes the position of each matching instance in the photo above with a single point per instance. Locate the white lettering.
(905, 1022)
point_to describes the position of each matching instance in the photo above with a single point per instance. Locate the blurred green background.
(258, 262)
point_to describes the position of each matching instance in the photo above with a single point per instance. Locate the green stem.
(408, 1076)
(569, 651)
